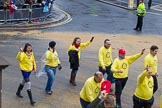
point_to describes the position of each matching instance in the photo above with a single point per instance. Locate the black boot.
(18, 93)
(30, 97)
(73, 80)
(70, 81)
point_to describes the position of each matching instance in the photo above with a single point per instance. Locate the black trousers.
(139, 23)
(155, 83)
(119, 86)
(108, 72)
(149, 3)
(139, 104)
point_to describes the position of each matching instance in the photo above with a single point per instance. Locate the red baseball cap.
(122, 51)
(106, 86)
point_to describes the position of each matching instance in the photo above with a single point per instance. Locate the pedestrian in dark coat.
(73, 59)
(77, 45)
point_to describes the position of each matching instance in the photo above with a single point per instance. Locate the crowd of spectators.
(24, 3)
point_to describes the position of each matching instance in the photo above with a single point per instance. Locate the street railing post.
(30, 13)
(3, 65)
(5, 13)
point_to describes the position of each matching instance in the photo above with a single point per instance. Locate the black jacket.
(73, 59)
(97, 103)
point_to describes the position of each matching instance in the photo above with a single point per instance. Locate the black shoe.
(19, 95)
(74, 84)
(32, 103)
(135, 29)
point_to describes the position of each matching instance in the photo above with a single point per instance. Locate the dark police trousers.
(139, 23)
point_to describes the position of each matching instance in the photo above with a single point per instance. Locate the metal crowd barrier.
(24, 14)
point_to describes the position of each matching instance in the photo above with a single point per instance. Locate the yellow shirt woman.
(26, 61)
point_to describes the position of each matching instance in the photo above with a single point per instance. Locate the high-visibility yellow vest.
(141, 11)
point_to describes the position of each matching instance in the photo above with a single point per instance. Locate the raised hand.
(91, 39)
(143, 50)
(59, 67)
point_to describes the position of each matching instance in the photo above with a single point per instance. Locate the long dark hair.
(75, 40)
(25, 47)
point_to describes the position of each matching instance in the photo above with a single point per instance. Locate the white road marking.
(153, 13)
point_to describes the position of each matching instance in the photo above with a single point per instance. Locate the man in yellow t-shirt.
(143, 95)
(105, 60)
(152, 61)
(120, 69)
(91, 89)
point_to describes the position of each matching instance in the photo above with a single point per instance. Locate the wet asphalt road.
(94, 16)
(62, 90)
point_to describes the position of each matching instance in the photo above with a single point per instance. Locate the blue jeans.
(51, 77)
(83, 103)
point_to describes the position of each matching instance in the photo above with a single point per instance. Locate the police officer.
(141, 11)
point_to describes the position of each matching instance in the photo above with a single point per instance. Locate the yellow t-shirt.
(90, 90)
(104, 57)
(52, 59)
(144, 88)
(123, 64)
(152, 62)
(26, 63)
